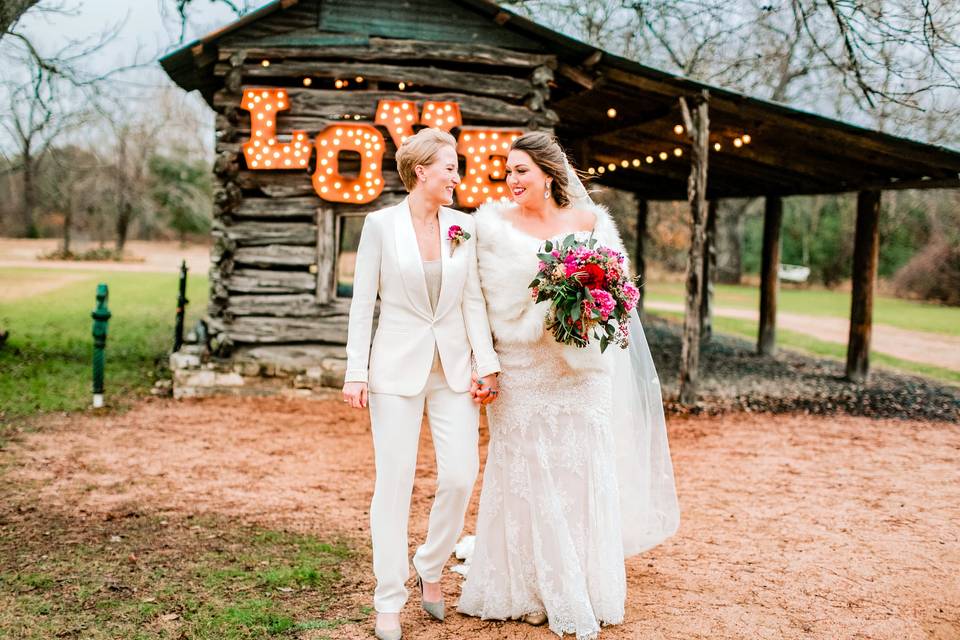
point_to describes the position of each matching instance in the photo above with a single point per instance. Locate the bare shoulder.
(510, 212)
(583, 219)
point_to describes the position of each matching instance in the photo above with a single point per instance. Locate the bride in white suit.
(432, 320)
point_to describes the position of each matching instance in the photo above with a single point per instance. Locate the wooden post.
(769, 275)
(697, 124)
(324, 267)
(709, 273)
(865, 253)
(639, 263)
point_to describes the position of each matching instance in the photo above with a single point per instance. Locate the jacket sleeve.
(475, 315)
(366, 285)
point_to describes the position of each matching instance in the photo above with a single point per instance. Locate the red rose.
(591, 276)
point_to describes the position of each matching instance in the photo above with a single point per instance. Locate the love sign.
(484, 149)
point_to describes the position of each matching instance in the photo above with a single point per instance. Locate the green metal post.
(100, 317)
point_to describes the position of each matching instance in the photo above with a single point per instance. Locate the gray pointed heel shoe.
(392, 634)
(536, 619)
(435, 609)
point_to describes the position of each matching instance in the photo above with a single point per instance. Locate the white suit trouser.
(395, 421)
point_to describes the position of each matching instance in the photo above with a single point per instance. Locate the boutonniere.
(456, 235)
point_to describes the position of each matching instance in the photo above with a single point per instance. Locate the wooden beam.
(697, 124)
(818, 130)
(769, 275)
(389, 49)
(709, 273)
(578, 76)
(485, 83)
(865, 255)
(639, 261)
(332, 104)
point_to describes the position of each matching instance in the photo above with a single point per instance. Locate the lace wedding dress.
(560, 507)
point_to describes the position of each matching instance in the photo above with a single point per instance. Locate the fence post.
(100, 317)
(181, 308)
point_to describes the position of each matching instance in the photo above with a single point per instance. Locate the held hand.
(484, 389)
(355, 394)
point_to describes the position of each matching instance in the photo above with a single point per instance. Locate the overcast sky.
(145, 33)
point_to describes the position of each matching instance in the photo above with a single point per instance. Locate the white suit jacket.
(389, 264)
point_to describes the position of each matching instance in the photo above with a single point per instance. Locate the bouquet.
(591, 295)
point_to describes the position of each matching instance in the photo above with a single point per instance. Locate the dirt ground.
(792, 526)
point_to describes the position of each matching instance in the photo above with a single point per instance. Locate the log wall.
(274, 254)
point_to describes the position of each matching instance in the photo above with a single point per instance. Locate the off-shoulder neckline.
(498, 211)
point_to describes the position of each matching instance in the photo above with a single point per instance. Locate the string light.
(307, 82)
(649, 159)
(737, 142)
(269, 154)
(484, 151)
(611, 113)
(359, 79)
(401, 85)
(364, 139)
(746, 138)
(663, 155)
(678, 152)
(678, 129)
(717, 146)
(265, 63)
(338, 84)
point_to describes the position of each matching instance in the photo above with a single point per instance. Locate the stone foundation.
(301, 370)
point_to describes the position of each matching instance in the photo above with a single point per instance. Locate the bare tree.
(10, 12)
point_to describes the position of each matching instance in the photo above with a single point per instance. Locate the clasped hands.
(484, 389)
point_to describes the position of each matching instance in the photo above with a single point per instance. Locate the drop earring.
(546, 190)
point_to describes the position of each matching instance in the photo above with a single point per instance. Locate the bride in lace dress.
(578, 473)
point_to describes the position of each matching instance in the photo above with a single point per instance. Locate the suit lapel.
(410, 263)
(450, 282)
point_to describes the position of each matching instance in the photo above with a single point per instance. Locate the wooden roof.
(790, 151)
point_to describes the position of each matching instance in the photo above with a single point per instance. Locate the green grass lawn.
(143, 577)
(906, 314)
(810, 345)
(46, 363)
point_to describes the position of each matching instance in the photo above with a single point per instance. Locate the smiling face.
(524, 178)
(440, 178)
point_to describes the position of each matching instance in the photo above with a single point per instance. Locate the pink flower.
(604, 301)
(456, 235)
(632, 295)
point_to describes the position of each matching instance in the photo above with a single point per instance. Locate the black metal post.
(181, 308)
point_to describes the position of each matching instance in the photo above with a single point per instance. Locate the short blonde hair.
(420, 149)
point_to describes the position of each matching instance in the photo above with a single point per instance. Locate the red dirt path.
(792, 526)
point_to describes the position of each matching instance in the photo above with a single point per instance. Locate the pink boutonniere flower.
(456, 235)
